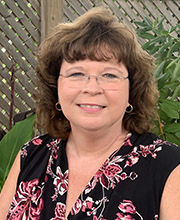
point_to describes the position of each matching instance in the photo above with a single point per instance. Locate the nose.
(92, 85)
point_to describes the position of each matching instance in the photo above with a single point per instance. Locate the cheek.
(66, 95)
(121, 97)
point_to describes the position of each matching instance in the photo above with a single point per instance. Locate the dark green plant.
(164, 46)
(11, 144)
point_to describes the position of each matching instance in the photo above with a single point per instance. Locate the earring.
(129, 109)
(58, 107)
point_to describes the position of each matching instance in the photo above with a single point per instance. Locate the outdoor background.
(24, 23)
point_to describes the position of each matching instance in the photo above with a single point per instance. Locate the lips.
(91, 106)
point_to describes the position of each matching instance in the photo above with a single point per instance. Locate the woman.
(96, 100)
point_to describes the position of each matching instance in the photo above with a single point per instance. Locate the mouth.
(91, 106)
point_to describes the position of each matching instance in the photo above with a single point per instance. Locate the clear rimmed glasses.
(107, 81)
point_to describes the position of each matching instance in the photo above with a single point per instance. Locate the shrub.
(164, 46)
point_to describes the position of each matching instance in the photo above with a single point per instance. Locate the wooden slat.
(34, 33)
(69, 13)
(154, 12)
(164, 11)
(4, 121)
(138, 8)
(36, 6)
(176, 2)
(18, 88)
(17, 103)
(4, 105)
(5, 75)
(118, 13)
(174, 9)
(87, 4)
(23, 79)
(127, 8)
(4, 59)
(18, 44)
(17, 58)
(23, 95)
(76, 6)
(18, 75)
(28, 12)
(17, 27)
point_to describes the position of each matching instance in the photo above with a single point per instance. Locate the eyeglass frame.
(87, 78)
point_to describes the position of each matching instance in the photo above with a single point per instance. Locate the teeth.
(91, 106)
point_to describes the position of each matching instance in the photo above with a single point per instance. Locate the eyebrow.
(112, 68)
(105, 69)
(75, 68)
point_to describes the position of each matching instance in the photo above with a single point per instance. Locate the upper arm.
(170, 202)
(9, 188)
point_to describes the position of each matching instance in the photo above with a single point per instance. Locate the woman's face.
(91, 105)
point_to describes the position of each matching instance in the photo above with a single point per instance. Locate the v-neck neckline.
(121, 150)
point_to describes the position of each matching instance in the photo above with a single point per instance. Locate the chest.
(79, 177)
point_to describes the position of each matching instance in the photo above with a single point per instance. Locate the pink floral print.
(37, 141)
(128, 211)
(127, 206)
(60, 183)
(60, 211)
(27, 202)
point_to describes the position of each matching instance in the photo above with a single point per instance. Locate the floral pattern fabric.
(128, 186)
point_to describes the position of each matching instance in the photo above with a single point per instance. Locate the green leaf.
(148, 21)
(176, 73)
(165, 33)
(164, 93)
(142, 24)
(163, 48)
(173, 104)
(176, 92)
(155, 22)
(146, 35)
(153, 50)
(173, 29)
(170, 112)
(178, 134)
(11, 143)
(162, 80)
(160, 25)
(159, 69)
(172, 138)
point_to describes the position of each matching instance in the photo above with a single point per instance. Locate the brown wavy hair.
(96, 35)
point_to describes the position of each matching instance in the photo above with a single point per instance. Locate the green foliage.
(11, 144)
(164, 46)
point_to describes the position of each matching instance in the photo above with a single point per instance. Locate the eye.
(76, 75)
(110, 76)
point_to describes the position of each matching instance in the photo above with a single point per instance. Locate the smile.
(91, 106)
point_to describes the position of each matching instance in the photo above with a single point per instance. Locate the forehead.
(88, 65)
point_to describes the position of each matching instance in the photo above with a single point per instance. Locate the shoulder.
(38, 144)
(35, 153)
(154, 143)
(170, 201)
(162, 156)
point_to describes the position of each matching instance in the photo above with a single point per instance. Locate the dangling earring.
(129, 108)
(58, 107)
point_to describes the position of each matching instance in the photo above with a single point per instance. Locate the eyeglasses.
(107, 81)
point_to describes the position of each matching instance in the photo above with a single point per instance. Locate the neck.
(94, 144)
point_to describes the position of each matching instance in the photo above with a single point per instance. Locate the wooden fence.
(24, 23)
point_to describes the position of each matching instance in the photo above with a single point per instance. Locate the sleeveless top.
(127, 186)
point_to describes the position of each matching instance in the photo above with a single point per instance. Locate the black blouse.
(127, 186)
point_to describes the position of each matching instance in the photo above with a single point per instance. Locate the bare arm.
(9, 188)
(170, 203)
